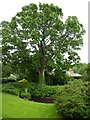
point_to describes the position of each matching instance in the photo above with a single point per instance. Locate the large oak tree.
(40, 31)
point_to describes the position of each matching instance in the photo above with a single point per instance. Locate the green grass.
(14, 107)
(0, 104)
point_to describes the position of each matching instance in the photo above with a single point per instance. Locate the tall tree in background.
(39, 31)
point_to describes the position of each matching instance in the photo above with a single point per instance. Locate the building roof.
(76, 75)
(71, 73)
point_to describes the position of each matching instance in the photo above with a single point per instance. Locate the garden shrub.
(12, 91)
(17, 85)
(32, 88)
(47, 91)
(11, 88)
(42, 91)
(25, 95)
(71, 101)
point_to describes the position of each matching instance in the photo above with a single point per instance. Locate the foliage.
(83, 69)
(42, 91)
(24, 84)
(12, 88)
(23, 70)
(6, 80)
(7, 88)
(24, 81)
(88, 98)
(88, 72)
(38, 37)
(60, 78)
(11, 78)
(79, 68)
(71, 101)
(25, 95)
(6, 70)
(31, 88)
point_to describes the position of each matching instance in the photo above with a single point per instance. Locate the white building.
(72, 74)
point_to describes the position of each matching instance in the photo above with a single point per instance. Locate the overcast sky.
(79, 8)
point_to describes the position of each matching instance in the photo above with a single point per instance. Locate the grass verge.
(14, 107)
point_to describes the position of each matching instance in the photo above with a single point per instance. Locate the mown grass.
(14, 107)
(0, 104)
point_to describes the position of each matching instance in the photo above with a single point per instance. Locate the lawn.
(15, 107)
(0, 104)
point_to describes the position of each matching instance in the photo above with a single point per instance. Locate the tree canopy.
(39, 35)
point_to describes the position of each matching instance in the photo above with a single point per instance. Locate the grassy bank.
(14, 107)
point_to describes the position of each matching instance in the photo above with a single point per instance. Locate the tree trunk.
(42, 64)
(42, 77)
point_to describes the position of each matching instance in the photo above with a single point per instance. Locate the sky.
(79, 8)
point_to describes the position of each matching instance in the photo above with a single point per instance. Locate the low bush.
(32, 90)
(42, 91)
(12, 91)
(11, 88)
(25, 95)
(71, 101)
